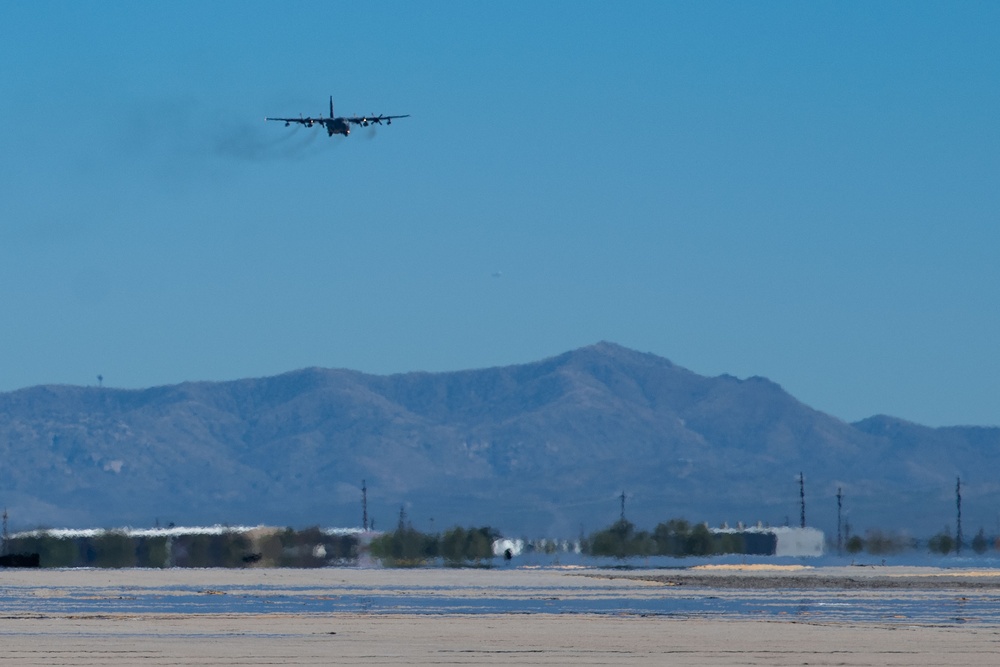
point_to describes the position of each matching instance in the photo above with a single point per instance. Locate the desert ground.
(222, 617)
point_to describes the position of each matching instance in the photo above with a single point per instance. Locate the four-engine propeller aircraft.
(339, 125)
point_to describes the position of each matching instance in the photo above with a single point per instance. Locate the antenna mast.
(802, 498)
(840, 542)
(364, 505)
(958, 504)
(623, 505)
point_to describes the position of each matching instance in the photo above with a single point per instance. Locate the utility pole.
(958, 504)
(840, 541)
(623, 505)
(364, 506)
(802, 498)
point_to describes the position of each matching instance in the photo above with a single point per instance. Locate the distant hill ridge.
(537, 448)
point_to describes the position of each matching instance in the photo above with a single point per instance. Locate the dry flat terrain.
(214, 617)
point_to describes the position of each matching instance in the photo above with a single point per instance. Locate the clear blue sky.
(804, 191)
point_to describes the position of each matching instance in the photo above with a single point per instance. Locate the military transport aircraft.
(339, 125)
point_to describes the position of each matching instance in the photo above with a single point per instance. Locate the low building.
(778, 541)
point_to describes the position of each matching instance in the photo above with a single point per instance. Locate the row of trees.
(676, 537)
(679, 538)
(877, 542)
(287, 548)
(408, 547)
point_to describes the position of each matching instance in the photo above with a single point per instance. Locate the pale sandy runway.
(109, 637)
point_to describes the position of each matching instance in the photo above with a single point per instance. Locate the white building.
(779, 541)
(798, 541)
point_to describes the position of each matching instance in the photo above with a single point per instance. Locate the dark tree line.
(408, 547)
(881, 543)
(676, 537)
(288, 548)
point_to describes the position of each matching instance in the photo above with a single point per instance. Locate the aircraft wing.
(308, 122)
(373, 120)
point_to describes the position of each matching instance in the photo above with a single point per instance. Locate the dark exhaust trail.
(250, 143)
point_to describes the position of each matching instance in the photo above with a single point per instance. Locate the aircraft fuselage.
(333, 125)
(337, 126)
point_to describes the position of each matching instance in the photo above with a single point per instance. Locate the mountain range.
(548, 448)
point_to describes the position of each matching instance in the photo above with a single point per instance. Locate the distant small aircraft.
(339, 125)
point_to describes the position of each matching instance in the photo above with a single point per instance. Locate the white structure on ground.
(780, 540)
(169, 531)
(798, 541)
(501, 546)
